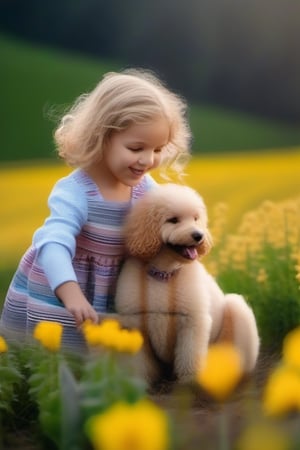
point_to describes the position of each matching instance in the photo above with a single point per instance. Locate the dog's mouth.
(186, 251)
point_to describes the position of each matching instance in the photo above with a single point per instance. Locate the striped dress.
(90, 227)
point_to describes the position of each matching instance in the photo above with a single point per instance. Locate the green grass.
(219, 130)
(35, 81)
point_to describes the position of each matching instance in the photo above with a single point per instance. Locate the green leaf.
(70, 409)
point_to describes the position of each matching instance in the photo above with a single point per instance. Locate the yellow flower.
(221, 371)
(139, 426)
(49, 334)
(220, 212)
(282, 392)
(291, 345)
(3, 345)
(129, 341)
(263, 437)
(110, 335)
(262, 275)
(100, 334)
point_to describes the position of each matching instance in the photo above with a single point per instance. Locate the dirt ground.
(200, 422)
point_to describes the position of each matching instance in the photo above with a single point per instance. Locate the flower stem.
(223, 430)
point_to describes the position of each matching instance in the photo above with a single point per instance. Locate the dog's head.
(169, 215)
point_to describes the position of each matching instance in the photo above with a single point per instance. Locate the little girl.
(128, 125)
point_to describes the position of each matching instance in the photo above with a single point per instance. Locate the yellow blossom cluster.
(274, 224)
(221, 371)
(49, 334)
(282, 390)
(296, 258)
(219, 217)
(3, 345)
(110, 335)
(27, 188)
(139, 426)
(226, 177)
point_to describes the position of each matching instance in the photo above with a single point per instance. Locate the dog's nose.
(197, 236)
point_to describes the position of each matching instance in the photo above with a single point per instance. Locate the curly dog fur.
(165, 291)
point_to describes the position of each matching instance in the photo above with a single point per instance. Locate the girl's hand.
(82, 310)
(76, 303)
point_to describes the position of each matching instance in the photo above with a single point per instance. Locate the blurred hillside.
(241, 55)
(38, 83)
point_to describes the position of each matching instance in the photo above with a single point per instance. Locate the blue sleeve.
(55, 259)
(68, 213)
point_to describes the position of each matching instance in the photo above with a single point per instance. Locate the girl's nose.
(147, 158)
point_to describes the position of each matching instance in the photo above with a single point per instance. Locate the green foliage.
(70, 417)
(275, 299)
(10, 379)
(44, 389)
(261, 261)
(69, 388)
(105, 381)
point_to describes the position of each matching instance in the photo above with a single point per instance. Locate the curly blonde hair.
(118, 101)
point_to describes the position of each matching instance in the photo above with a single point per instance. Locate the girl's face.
(130, 153)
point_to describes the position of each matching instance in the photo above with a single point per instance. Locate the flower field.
(95, 401)
(241, 181)
(254, 211)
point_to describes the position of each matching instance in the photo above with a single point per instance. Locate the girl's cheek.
(157, 161)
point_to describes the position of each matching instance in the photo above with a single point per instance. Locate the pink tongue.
(190, 252)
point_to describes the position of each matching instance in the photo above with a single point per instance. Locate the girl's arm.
(56, 262)
(55, 242)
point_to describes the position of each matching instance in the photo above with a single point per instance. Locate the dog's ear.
(142, 229)
(206, 246)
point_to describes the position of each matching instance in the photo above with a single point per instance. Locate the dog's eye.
(173, 220)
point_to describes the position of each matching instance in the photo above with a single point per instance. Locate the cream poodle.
(165, 291)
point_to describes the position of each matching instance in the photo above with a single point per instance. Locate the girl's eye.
(173, 220)
(135, 149)
(157, 150)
